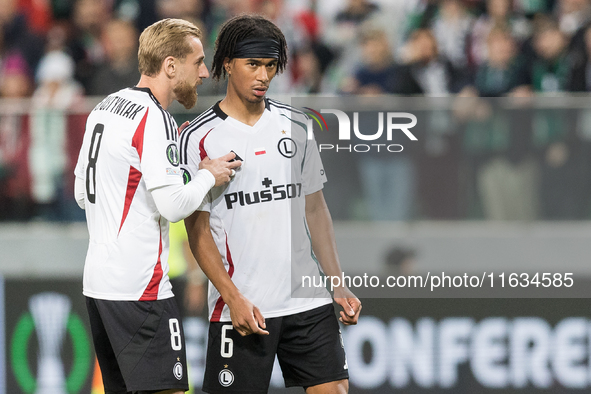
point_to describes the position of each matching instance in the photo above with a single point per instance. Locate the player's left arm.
(325, 249)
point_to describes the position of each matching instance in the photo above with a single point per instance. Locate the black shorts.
(140, 345)
(308, 345)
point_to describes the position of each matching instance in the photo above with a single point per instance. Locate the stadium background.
(497, 184)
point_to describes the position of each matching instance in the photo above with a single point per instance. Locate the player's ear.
(169, 66)
(227, 65)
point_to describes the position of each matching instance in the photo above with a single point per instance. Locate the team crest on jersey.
(226, 377)
(177, 370)
(172, 153)
(287, 147)
(186, 176)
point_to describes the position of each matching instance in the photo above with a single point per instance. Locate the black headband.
(255, 48)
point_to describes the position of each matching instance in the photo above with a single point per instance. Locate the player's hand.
(222, 169)
(183, 126)
(351, 305)
(246, 318)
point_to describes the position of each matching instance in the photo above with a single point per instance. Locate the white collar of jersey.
(263, 120)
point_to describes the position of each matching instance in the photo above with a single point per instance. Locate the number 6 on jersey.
(227, 353)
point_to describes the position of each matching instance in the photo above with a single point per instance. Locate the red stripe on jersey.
(217, 312)
(138, 137)
(219, 305)
(132, 182)
(151, 292)
(202, 152)
(134, 174)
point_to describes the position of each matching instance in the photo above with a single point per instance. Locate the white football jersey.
(129, 147)
(258, 220)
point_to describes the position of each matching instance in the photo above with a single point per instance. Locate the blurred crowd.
(58, 51)
(430, 47)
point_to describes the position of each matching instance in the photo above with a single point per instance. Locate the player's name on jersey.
(120, 106)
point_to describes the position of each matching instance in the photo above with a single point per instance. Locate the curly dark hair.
(240, 28)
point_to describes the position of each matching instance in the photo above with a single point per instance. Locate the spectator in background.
(452, 31)
(15, 180)
(193, 11)
(579, 20)
(142, 13)
(57, 93)
(377, 73)
(530, 8)
(550, 69)
(387, 179)
(184, 9)
(553, 136)
(89, 18)
(573, 15)
(15, 77)
(221, 11)
(342, 35)
(311, 63)
(311, 57)
(502, 173)
(581, 72)
(16, 35)
(503, 71)
(497, 141)
(436, 160)
(38, 14)
(434, 75)
(498, 14)
(356, 11)
(120, 69)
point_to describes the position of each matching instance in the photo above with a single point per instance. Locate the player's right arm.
(176, 201)
(246, 317)
(79, 192)
(79, 181)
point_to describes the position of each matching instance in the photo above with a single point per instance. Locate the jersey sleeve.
(313, 177)
(160, 165)
(80, 175)
(190, 159)
(80, 169)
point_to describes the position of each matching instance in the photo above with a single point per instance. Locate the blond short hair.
(164, 38)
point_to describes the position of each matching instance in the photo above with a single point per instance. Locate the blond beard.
(186, 94)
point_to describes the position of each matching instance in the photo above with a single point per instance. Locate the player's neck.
(242, 110)
(159, 87)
